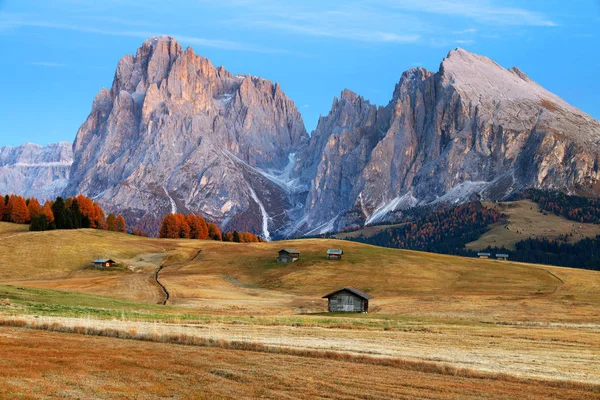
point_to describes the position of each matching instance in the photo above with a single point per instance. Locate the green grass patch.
(46, 302)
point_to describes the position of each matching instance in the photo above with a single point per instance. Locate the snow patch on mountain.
(282, 177)
(263, 211)
(173, 204)
(462, 192)
(401, 202)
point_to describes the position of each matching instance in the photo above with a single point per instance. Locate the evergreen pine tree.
(61, 218)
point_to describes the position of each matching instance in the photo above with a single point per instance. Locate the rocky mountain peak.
(473, 129)
(409, 80)
(32, 170)
(176, 133)
(520, 74)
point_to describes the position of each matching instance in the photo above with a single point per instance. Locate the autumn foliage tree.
(17, 210)
(111, 222)
(91, 211)
(34, 207)
(169, 228)
(213, 232)
(116, 223)
(47, 211)
(70, 213)
(191, 226)
(120, 224)
(198, 227)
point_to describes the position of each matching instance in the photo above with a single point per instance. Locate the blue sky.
(57, 54)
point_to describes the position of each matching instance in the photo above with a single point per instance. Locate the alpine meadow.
(200, 221)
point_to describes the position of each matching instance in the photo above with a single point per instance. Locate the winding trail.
(162, 286)
(559, 279)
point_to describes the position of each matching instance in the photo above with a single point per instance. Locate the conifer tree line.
(70, 213)
(179, 226)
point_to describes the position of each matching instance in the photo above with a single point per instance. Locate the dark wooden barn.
(288, 255)
(348, 299)
(335, 254)
(103, 263)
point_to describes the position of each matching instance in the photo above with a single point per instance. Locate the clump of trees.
(180, 226)
(16, 209)
(70, 213)
(443, 231)
(584, 254)
(576, 208)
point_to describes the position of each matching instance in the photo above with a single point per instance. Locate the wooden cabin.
(288, 255)
(335, 254)
(103, 263)
(484, 255)
(348, 299)
(502, 257)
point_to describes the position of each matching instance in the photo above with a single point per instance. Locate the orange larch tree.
(169, 227)
(19, 213)
(213, 232)
(35, 209)
(111, 222)
(47, 210)
(120, 224)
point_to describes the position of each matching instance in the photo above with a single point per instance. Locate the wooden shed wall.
(346, 301)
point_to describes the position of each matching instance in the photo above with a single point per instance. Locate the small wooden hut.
(103, 263)
(335, 254)
(484, 255)
(502, 257)
(288, 255)
(348, 299)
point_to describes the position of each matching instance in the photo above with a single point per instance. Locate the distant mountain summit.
(473, 129)
(31, 170)
(177, 134)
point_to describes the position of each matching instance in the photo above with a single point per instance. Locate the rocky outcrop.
(177, 134)
(31, 170)
(473, 129)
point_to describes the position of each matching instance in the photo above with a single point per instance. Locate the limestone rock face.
(473, 129)
(31, 170)
(177, 134)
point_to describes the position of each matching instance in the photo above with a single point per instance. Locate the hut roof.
(484, 254)
(502, 255)
(291, 251)
(103, 260)
(357, 292)
(335, 251)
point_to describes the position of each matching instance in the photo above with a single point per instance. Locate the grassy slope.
(468, 312)
(526, 221)
(244, 278)
(62, 260)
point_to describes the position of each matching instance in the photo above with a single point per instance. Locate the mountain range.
(175, 133)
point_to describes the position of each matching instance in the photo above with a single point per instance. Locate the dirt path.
(164, 289)
(164, 265)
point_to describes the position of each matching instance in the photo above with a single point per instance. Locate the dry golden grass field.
(536, 324)
(526, 221)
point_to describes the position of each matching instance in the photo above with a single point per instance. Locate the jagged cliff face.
(471, 129)
(176, 134)
(31, 170)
